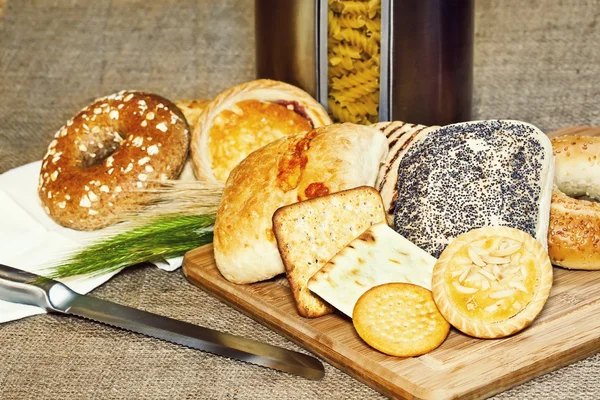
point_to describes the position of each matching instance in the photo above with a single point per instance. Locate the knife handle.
(18, 286)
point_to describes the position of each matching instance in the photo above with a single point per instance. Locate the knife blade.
(23, 287)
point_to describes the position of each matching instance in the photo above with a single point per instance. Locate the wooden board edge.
(587, 347)
(303, 340)
(589, 344)
(535, 370)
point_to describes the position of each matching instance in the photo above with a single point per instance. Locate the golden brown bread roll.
(291, 169)
(574, 231)
(577, 171)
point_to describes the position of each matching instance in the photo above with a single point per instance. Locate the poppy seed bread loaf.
(474, 174)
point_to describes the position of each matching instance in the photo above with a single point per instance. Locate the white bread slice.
(378, 256)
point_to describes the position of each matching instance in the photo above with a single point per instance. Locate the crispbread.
(399, 319)
(311, 232)
(378, 256)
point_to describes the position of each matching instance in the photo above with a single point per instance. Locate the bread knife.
(18, 286)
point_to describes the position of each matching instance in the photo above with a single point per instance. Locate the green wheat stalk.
(182, 220)
(165, 237)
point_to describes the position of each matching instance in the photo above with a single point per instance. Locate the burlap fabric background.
(536, 61)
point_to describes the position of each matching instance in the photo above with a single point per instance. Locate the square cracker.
(311, 232)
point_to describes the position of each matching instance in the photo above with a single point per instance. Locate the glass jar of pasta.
(372, 60)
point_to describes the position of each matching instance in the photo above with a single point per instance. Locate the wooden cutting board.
(567, 330)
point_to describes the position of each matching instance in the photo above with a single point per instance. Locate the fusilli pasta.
(356, 39)
(362, 77)
(350, 7)
(349, 20)
(354, 36)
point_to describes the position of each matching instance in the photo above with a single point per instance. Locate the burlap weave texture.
(536, 61)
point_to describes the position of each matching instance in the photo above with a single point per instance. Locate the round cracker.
(399, 319)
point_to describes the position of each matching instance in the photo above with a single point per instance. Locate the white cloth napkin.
(29, 239)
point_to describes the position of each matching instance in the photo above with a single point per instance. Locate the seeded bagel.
(101, 160)
(574, 233)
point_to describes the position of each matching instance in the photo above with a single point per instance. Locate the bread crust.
(467, 175)
(98, 162)
(577, 171)
(294, 168)
(574, 233)
(192, 109)
(264, 90)
(399, 136)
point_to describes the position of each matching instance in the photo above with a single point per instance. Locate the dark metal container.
(426, 60)
(431, 69)
(286, 42)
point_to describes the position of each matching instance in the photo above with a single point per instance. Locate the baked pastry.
(577, 171)
(291, 169)
(191, 109)
(399, 136)
(492, 282)
(97, 163)
(574, 233)
(246, 117)
(473, 174)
